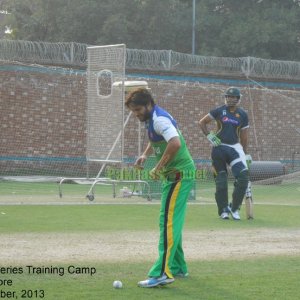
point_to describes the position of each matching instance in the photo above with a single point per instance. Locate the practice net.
(105, 105)
(53, 125)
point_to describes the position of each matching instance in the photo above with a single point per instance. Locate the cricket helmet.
(232, 96)
(233, 91)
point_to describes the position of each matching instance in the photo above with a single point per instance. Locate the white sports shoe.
(235, 214)
(155, 281)
(224, 215)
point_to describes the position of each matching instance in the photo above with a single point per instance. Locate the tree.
(235, 28)
(148, 24)
(30, 19)
(261, 28)
(56, 20)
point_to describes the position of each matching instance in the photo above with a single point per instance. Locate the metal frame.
(98, 180)
(113, 182)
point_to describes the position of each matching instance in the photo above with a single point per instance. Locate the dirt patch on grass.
(46, 248)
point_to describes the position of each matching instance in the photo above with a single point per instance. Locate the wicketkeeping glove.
(248, 160)
(214, 140)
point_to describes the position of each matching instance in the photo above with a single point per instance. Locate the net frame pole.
(120, 135)
(112, 148)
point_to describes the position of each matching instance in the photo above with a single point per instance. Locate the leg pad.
(240, 186)
(221, 194)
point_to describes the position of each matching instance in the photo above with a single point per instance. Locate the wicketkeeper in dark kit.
(175, 167)
(229, 143)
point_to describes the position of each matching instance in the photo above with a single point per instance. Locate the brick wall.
(43, 118)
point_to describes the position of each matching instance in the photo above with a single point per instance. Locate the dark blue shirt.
(229, 123)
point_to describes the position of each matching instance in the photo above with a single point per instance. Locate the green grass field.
(254, 277)
(270, 278)
(285, 193)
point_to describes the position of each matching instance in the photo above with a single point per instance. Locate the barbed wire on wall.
(75, 54)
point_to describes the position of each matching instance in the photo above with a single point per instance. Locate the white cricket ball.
(117, 284)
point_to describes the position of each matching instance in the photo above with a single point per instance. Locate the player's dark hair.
(139, 96)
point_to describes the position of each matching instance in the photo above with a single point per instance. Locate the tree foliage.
(235, 28)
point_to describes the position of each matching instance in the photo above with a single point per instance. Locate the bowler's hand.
(155, 174)
(139, 163)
